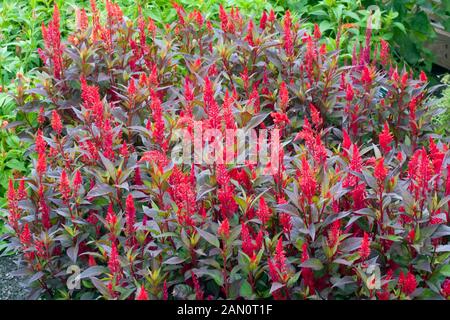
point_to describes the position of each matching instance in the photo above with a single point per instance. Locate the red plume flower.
(317, 33)
(263, 21)
(385, 138)
(384, 52)
(224, 229)
(21, 191)
(25, 236)
(41, 167)
(288, 42)
(223, 18)
(307, 181)
(315, 115)
(130, 214)
(272, 17)
(334, 233)
(165, 292)
(407, 283)
(263, 212)
(346, 142)
(113, 260)
(349, 93)
(77, 181)
(445, 288)
(41, 145)
(380, 172)
(64, 186)
(132, 89)
(366, 77)
(198, 291)
(423, 76)
(157, 112)
(364, 249)
(111, 218)
(284, 96)
(280, 257)
(56, 122)
(52, 41)
(142, 295)
(286, 222)
(137, 177)
(82, 19)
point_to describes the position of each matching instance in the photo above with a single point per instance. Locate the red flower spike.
(346, 142)
(445, 288)
(407, 283)
(21, 191)
(52, 41)
(25, 236)
(385, 138)
(334, 233)
(380, 172)
(423, 76)
(64, 186)
(41, 167)
(41, 116)
(366, 76)
(272, 17)
(287, 40)
(224, 229)
(263, 212)
(284, 96)
(280, 257)
(349, 93)
(56, 122)
(223, 18)
(77, 181)
(263, 21)
(137, 177)
(384, 52)
(111, 217)
(308, 183)
(364, 249)
(130, 212)
(165, 292)
(317, 33)
(315, 115)
(82, 19)
(286, 222)
(113, 260)
(92, 261)
(124, 150)
(142, 295)
(198, 291)
(132, 89)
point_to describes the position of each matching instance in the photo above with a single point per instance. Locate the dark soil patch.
(10, 287)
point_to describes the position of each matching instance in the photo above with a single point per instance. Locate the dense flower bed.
(356, 208)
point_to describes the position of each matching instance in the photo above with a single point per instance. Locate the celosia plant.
(357, 206)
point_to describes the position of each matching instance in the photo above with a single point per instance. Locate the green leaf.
(15, 164)
(216, 275)
(212, 239)
(445, 270)
(174, 260)
(312, 263)
(246, 289)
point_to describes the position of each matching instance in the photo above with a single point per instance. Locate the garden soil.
(10, 288)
